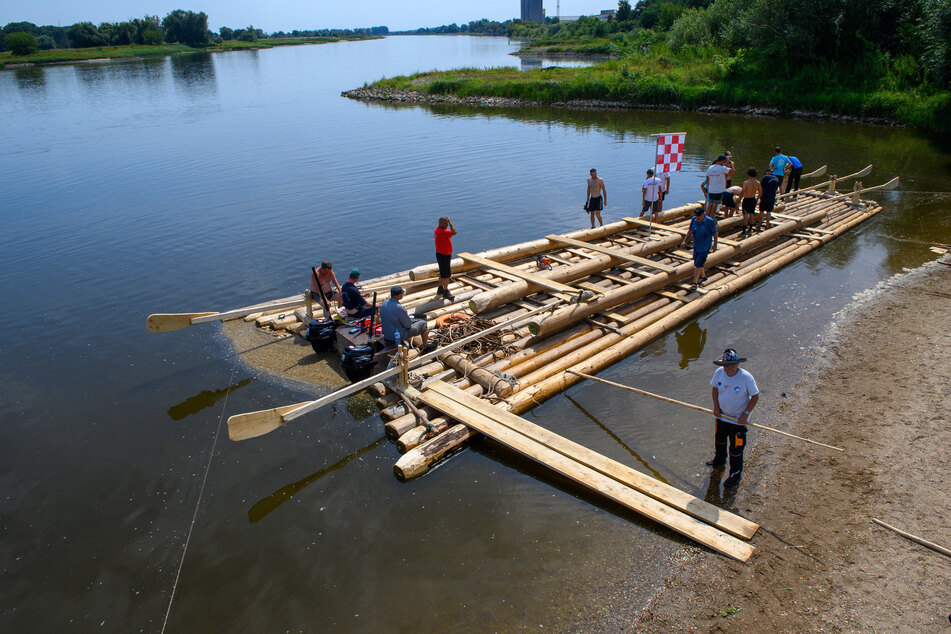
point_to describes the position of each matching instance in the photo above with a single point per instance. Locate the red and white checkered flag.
(670, 152)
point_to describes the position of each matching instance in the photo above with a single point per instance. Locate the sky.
(286, 15)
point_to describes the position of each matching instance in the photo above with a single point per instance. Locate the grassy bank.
(66, 55)
(701, 78)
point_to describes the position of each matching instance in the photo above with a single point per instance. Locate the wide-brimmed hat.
(729, 358)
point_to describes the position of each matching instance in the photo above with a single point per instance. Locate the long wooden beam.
(545, 283)
(557, 452)
(614, 253)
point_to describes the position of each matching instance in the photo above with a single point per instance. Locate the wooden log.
(617, 347)
(568, 315)
(579, 471)
(416, 462)
(534, 247)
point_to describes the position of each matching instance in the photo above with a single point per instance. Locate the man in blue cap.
(734, 395)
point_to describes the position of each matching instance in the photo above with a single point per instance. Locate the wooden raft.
(690, 516)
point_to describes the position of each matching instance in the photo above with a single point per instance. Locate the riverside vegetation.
(887, 60)
(179, 32)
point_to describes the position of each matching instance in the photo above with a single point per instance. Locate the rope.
(201, 492)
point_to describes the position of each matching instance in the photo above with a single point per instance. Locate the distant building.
(605, 15)
(532, 10)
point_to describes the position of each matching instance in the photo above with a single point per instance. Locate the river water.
(209, 182)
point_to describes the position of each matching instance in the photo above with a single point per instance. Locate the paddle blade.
(819, 172)
(168, 322)
(253, 424)
(865, 172)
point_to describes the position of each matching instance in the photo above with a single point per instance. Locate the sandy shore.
(880, 388)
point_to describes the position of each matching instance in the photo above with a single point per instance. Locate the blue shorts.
(700, 258)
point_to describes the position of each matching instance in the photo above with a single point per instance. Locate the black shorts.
(749, 206)
(443, 260)
(766, 205)
(594, 204)
(654, 206)
(727, 200)
(715, 198)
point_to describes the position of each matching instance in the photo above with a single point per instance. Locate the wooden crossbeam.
(804, 236)
(644, 223)
(818, 230)
(686, 287)
(518, 274)
(691, 516)
(594, 288)
(615, 317)
(670, 295)
(611, 252)
(615, 278)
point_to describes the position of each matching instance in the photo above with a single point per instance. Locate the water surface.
(213, 181)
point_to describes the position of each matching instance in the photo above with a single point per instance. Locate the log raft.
(608, 292)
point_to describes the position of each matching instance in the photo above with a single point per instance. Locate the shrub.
(21, 43)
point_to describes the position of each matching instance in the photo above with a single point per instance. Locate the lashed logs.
(416, 461)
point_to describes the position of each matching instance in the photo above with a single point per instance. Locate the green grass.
(61, 55)
(695, 78)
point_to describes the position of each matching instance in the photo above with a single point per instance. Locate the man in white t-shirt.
(717, 175)
(651, 192)
(734, 395)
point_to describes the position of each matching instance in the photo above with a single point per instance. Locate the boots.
(736, 470)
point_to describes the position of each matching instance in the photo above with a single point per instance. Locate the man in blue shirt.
(779, 163)
(355, 306)
(703, 230)
(394, 319)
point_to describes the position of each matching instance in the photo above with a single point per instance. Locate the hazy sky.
(286, 15)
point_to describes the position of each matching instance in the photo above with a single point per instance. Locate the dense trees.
(186, 27)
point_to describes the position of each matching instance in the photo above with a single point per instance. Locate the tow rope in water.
(201, 492)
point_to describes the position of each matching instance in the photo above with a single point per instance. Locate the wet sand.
(880, 387)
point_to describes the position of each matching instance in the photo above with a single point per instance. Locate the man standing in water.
(734, 395)
(597, 197)
(443, 236)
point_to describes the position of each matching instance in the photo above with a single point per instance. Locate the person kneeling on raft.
(397, 324)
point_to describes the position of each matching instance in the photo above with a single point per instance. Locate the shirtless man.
(751, 192)
(597, 197)
(322, 282)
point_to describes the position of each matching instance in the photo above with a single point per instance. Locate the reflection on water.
(30, 78)
(618, 440)
(690, 342)
(262, 508)
(200, 401)
(194, 71)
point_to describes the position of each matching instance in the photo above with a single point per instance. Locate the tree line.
(909, 40)
(178, 27)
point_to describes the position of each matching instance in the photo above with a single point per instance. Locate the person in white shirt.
(734, 395)
(651, 193)
(717, 175)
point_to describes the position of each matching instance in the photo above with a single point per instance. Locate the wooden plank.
(668, 505)
(670, 295)
(644, 223)
(686, 287)
(519, 274)
(611, 252)
(615, 317)
(594, 288)
(682, 232)
(818, 230)
(615, 278)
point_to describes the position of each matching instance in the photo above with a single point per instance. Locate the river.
(212, 181)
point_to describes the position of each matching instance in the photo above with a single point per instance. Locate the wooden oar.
(252, 424)
(168, 322)
(819, 172)
(696, 407)
(859, 174)
(892, 184)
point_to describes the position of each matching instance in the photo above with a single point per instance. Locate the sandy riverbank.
(880, 387)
